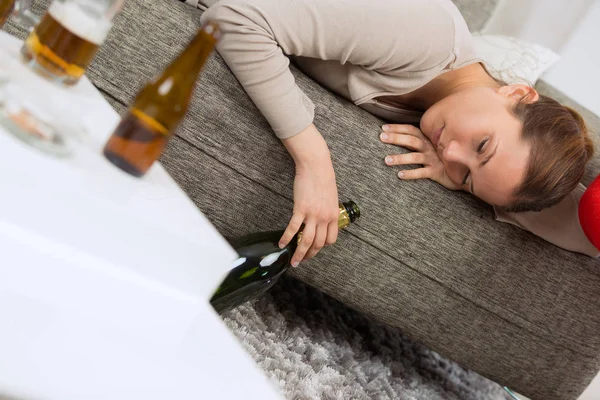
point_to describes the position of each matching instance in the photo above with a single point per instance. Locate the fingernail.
(384, 136)
(385, 127)
(388, 160)
(400, 174)
(295, 264)
(281, 245)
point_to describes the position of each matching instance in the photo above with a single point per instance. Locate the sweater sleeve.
(382, 37)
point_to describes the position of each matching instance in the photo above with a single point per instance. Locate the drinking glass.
(64, 41)
(60, 46)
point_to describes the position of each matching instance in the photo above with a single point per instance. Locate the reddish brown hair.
(560, 150)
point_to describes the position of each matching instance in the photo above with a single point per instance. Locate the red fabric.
(589, 212)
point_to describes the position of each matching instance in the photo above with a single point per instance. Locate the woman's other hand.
(316, 204)
(423, 153)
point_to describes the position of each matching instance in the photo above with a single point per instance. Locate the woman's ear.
(519, 93)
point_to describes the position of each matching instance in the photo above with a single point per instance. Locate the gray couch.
(431, 262)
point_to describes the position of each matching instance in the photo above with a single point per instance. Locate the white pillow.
(514, 60)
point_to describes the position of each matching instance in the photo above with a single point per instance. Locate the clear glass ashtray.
(39, 114)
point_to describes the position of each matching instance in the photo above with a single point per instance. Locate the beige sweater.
(334, 42)
(361, 50)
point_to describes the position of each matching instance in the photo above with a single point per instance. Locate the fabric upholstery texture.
(432, 262)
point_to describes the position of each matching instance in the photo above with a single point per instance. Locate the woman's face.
(479, 141)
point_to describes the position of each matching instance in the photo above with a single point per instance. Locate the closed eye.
(480, 150)
(466, 177)
(482, 145)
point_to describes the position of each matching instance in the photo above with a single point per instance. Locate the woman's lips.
(435, 138)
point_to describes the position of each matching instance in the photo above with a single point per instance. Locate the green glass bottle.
(261, 262)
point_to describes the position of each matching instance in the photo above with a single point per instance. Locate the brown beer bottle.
(158, 109)
(6, 8)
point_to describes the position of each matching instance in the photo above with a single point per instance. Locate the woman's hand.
(315, 195)
(424, 153)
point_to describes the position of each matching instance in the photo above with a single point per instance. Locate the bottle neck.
(349, 213)
(343, 218)
(190, 62)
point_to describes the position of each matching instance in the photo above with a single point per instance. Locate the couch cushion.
(433, 262)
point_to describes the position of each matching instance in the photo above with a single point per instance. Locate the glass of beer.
(65, 41)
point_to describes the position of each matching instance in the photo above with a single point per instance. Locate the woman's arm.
(315, 195)
(383, 37)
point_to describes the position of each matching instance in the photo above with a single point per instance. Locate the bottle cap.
(352, 210)
(213, 29)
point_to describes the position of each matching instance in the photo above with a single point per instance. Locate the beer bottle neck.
(194, 56)
(166, 99)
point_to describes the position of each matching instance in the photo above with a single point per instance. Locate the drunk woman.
(410, 62)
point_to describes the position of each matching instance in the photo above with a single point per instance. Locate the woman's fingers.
(308, 236)
(424, 154)
(403, 129)
(404, 140)
(406, 159)
(291, 230)
(419, 173)
(319, 242)
(332, 233)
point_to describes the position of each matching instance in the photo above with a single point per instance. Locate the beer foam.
(71, 16)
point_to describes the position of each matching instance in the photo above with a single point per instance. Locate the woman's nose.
(453, 153)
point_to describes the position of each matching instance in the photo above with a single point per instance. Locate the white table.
(105, 279)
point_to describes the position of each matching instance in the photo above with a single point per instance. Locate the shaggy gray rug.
(314, 347)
